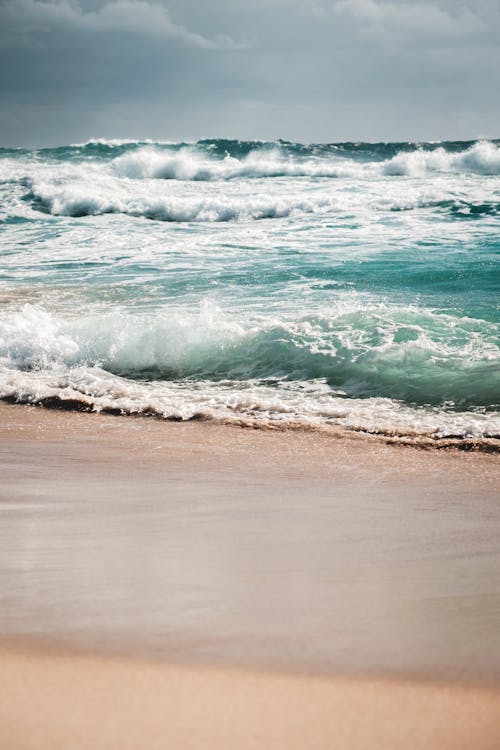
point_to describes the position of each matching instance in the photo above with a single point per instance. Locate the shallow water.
(345, 284)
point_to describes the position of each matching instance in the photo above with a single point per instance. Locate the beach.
(50, 701)
(197, 584)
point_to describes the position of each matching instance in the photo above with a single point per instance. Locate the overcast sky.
(304, 70)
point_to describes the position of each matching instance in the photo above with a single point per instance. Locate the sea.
(342, 286)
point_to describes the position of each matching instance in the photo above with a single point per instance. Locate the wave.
(229, 160)
(113, 142)
(481, 158)
(189, 164)
(133, 183)
(87, 199)
(251, 404)
(90, 193)
(409, 355)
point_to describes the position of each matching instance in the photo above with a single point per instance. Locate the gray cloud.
(311, 70)
(22, 19)
(421, 18)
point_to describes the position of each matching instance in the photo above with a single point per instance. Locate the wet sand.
(366, 569)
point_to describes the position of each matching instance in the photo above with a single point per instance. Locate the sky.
(301, 70)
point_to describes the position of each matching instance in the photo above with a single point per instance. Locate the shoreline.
(427, 441)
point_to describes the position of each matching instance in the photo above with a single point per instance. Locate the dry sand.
(74, 703)
(242, 588)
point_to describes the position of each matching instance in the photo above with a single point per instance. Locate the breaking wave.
(314, 372)
(230, 160)
(482, 158)
(158, 181)
(191, 164)
(88, 199)
(96, 195)
(403, 354)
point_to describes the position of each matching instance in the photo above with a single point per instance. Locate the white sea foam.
(191, 164)
(90, 198)
(248, 403)
(92, 192)
(154, 161)
(482, 158)
(120, 142)
(129, 184)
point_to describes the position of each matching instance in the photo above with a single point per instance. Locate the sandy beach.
(58, 701)
(193, 584)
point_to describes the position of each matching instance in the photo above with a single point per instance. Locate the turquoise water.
(351, 285)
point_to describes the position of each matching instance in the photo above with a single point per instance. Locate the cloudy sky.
(305, 70)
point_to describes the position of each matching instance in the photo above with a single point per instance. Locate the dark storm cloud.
(299, 69)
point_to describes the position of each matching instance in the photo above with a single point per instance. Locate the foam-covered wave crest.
(405, 354)
(107, 196)
(98, 195)
(482, 158)
(230, 160)
(378, 369)
(190, 164)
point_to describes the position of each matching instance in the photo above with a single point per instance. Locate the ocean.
(329, 286)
